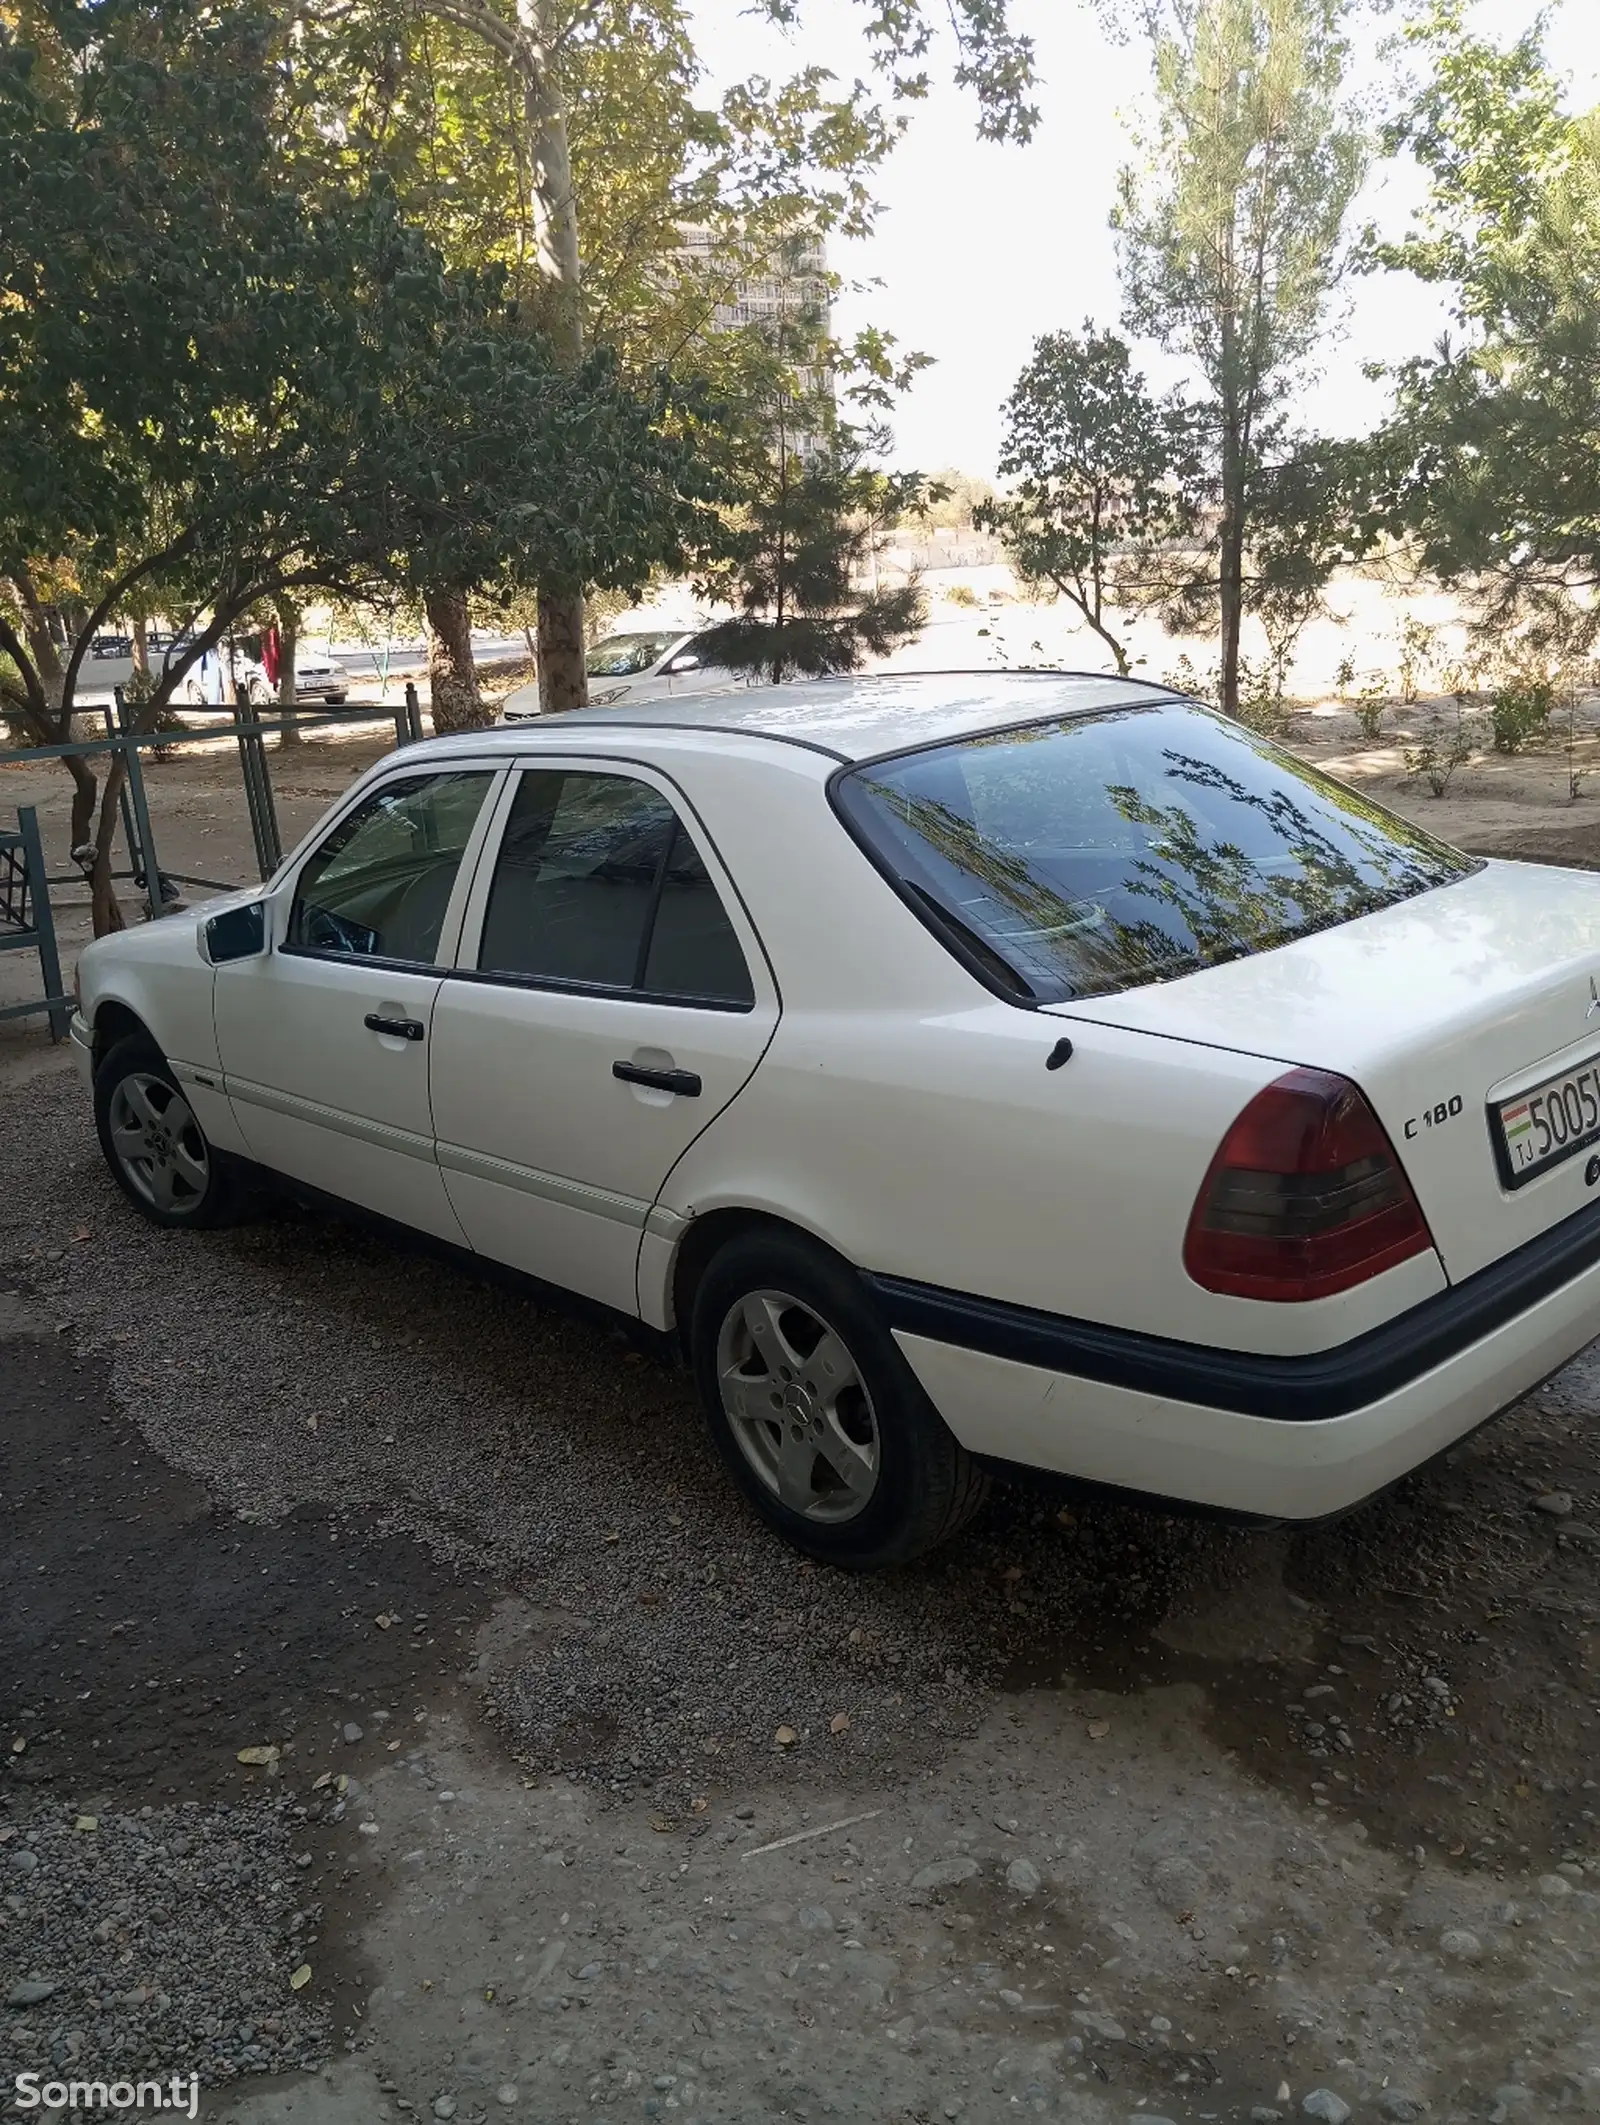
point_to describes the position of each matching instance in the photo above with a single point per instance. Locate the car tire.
(336, 700)
(181, 1179)
(819, 1418)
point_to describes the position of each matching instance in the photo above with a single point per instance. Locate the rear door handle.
(396, 1028)
(683, 1082)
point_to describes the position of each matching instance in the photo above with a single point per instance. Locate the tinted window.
(1097, 853)
(597, 883)
(693, 950)
(379, 885)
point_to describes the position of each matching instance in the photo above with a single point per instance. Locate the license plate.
(1539, 1129)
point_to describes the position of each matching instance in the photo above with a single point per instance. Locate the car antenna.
(1059, 1054)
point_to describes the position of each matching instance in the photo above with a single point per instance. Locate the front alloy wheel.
(155, 1146)
(797, 1406)
(158, 1143)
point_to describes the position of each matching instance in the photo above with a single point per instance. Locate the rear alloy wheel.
(797, 1407)
(155, 1147)
(818, 1416)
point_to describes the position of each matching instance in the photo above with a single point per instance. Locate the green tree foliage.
(799, 549)
(569, 140)
(1230, 229)
(1103, 479)
(1490, 465)
(220, 388)
(797, 559)
(963, 495)
(994, 60)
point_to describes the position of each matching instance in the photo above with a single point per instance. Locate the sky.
(981, 247)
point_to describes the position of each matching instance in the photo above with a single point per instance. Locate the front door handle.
(396, 1028)
(683, 1082)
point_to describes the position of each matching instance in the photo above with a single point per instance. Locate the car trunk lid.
(1441, 1009)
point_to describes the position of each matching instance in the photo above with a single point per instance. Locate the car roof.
(858, 718)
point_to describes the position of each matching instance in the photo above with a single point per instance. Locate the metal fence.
(247, 730)
(26, 921)
(27, 918)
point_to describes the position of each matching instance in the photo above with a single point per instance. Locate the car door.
(612, 998)
(689, 670)
(324, 1039)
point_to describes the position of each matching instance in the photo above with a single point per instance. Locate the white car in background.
(649, 665)
(316, 678)
(967, 1070)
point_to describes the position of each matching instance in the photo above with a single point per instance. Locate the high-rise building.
(792, 287)
(791, 290)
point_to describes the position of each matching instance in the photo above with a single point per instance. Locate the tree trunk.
(288, 699)
(563, 681)
(452, 676)
(1230, 562)
(141, 649)
(84, 786)
(528, 48)
(52, 674)
(1109, 640)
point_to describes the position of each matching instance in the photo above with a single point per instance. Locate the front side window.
(1098, 853)
(379, 885)
(625, 656)
(598, 885)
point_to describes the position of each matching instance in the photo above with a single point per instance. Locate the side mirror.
(239, 933)
(687, 662)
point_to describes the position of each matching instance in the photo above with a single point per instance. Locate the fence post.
(257, 793)
(247, 776)
(154, 898)
(116, 724)
(402, 727)
(33, 870)
(413, 712)
(269, 809)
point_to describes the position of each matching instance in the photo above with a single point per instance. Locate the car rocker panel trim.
(405, 1141)
(553, 1188)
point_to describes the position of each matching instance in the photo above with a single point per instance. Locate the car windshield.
(1091, 854)
(623, 656)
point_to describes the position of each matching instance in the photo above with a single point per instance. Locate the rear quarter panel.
(905, 1116)
(939, 1148)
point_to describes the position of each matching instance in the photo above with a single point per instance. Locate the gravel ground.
(1310, 1809)
(155, 1942)
(299, 1361)
(336, 1368)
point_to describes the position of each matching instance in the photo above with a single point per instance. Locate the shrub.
(1369, 706)
(1519, 710)
(1445, 744)
(1418, 648)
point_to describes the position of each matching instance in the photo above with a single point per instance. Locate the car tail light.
(1305, 1197)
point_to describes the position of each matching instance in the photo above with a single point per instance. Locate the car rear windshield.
(1091, 854)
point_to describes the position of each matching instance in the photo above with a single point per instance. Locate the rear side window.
(1097, 853)
(598, 885)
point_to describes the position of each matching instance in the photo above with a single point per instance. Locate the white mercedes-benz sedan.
(969, 1071)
